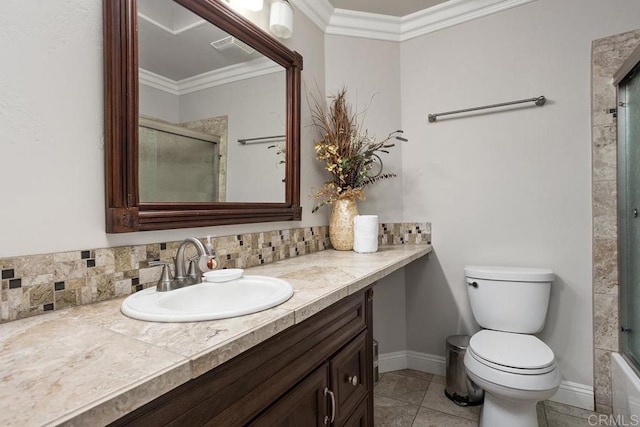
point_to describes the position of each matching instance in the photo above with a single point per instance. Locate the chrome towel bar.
(539, 101)
(260, 139)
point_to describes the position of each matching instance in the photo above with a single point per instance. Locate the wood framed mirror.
(129, 205)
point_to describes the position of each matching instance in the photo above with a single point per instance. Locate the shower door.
(629, 214)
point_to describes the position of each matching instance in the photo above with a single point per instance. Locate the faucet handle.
(192, 271)
(165, 277)
(156, 263)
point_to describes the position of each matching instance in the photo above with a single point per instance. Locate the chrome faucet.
(182, 279)
(180, 274)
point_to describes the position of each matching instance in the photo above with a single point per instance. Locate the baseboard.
(395, 361)
(574, 394)
(422, 362)
(569, 393)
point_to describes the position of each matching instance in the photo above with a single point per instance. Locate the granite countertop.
(90, 365)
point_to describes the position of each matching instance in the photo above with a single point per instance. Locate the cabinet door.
(304, 405)
(360, 417)
(349, 378)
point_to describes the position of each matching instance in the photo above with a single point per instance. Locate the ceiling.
(175, 43)
(386, 7)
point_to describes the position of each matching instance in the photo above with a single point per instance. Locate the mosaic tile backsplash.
(36, 284)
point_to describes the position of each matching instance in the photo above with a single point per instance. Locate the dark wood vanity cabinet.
(316, 373)
(304, 405)
(350, 382)
(329, 395)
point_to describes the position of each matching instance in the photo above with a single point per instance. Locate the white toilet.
(515, 369)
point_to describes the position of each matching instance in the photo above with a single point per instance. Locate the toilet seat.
(511, 352)
(511, 369)
(515, 361)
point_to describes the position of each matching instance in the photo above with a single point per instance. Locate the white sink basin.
(208, 301)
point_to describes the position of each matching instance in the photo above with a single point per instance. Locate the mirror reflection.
(212, 112)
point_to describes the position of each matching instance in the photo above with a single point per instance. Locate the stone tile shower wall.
(36, 284)
(218, 126)
(607, 55)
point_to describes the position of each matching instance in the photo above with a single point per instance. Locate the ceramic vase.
(341, 224)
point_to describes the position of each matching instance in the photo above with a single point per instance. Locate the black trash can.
(459, 388)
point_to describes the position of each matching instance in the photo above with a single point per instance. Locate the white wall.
(370, 70)
(51, 127)
(389, 319)
(509, 188)
(158, 104)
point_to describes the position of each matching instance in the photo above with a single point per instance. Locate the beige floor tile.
(436, 400)
(389, 412)
(398, 394)
(568, 410)
(400, 387)
(558, 419)
(542, 416)
(375, 385)
(439, 379)
(430, 418)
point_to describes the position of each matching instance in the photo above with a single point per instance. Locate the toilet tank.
(509, 299)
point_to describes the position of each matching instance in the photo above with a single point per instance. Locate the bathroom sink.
(207, 300)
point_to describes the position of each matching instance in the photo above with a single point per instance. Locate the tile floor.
(410, 398)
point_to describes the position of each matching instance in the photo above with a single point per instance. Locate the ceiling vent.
(231, 42)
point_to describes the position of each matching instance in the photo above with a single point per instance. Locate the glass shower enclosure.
(177, 164)
(628, 212)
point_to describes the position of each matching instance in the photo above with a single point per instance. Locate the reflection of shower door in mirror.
(628, 214)
(177, 164)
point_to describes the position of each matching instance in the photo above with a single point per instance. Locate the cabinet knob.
(353, 380)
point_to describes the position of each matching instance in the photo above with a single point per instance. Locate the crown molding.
(230, 74)
(157, 81)
(452, 13)
(365, 25)
(233, 73)
(318, 11)
(392, 28)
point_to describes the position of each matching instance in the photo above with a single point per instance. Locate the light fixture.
(281, 19)
(252, 5)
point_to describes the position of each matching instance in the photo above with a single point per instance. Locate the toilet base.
(498, 412)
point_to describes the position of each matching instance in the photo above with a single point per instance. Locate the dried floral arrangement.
(350, 154)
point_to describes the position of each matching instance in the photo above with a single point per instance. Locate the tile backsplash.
(35, 284)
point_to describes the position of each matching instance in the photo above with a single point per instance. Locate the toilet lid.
(513, 274)
(511, 350)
